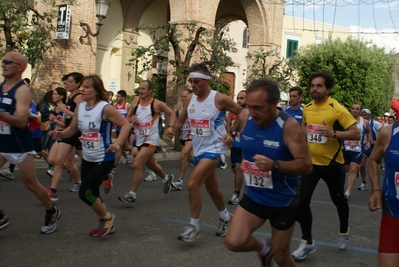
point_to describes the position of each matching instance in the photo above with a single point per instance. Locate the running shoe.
(223, 226)
(178, 185)
(266, 259)
(53, 196)
(75, 187)
(235, 198)
(168, 183)
(50, 171)
(150, 177)
(105, 227)
(128, 198)
(224, 166)
(303, 250)
(343, 240)
(189, 234)
(127, 161)
(7, 174)
(108, 184)
(362, 187)
(50, 222)
(164, 153)
(4, 223)
(113, 171)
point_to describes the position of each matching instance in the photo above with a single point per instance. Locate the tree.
(27, 30)
(363, 72)
(280, 70)
(187, 41)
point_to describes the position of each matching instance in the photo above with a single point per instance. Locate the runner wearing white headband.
(199, 75)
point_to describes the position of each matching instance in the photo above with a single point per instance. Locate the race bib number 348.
(314, 135)
(255, 177)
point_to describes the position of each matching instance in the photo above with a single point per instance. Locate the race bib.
(142, 128)
(352, 146)
(314, 135)
(90, 140)
(186, 125)
(237, 137)
(200, 127)
(255, 177)
(5, 128)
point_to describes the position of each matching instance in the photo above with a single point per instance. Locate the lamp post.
(101, 12)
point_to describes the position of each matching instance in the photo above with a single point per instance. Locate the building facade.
(109, 53)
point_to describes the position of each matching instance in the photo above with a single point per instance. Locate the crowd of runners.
(279, 154)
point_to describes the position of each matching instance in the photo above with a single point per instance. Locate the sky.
(375, 20)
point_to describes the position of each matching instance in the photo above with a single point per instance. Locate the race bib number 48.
(314, 135)
(255, 177)
(200, 127)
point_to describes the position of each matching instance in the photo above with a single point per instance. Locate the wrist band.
(335, 134)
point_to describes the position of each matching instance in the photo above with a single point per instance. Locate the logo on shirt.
(271, 144)
(192, 110)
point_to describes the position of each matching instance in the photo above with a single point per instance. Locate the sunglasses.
(10, 61)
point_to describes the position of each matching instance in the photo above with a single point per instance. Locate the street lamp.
(101, 12)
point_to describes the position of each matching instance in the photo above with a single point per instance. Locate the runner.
(144, 115)
(206, 111)
(186, 154)
(16, 144)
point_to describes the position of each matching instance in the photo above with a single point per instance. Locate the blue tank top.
(297, 114)
(269, 188)
(13, 139)
(390, 188)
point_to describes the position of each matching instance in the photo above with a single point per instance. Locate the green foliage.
(281, 70)
(363, 72)
(26, 30)
(187, 41)
(129, 98)
(159, 82)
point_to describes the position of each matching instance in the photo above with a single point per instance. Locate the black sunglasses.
(10, 61)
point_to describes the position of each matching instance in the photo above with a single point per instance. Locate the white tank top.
(207, 126)
(358, 145)
(96, 133)
(146, 126)
(185, 134)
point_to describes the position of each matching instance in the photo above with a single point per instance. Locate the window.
(245, 38)
(292, 46)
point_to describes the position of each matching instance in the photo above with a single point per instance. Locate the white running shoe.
(7, 174)
(343, 241)
(151, 176)
(303, 250)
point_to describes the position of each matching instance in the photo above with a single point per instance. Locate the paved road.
(146, 234)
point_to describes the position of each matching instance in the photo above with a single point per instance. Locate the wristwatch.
(276, 165)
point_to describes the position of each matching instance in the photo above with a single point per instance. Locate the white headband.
(199, 75)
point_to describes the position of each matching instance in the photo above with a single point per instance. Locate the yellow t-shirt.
(325, 150)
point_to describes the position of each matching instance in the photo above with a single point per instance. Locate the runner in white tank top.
(144, 115)
(146, 125)
(353, 149)
(206, 110)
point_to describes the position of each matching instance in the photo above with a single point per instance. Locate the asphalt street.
(146, 233)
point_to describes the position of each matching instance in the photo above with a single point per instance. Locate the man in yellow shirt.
(325, 123)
